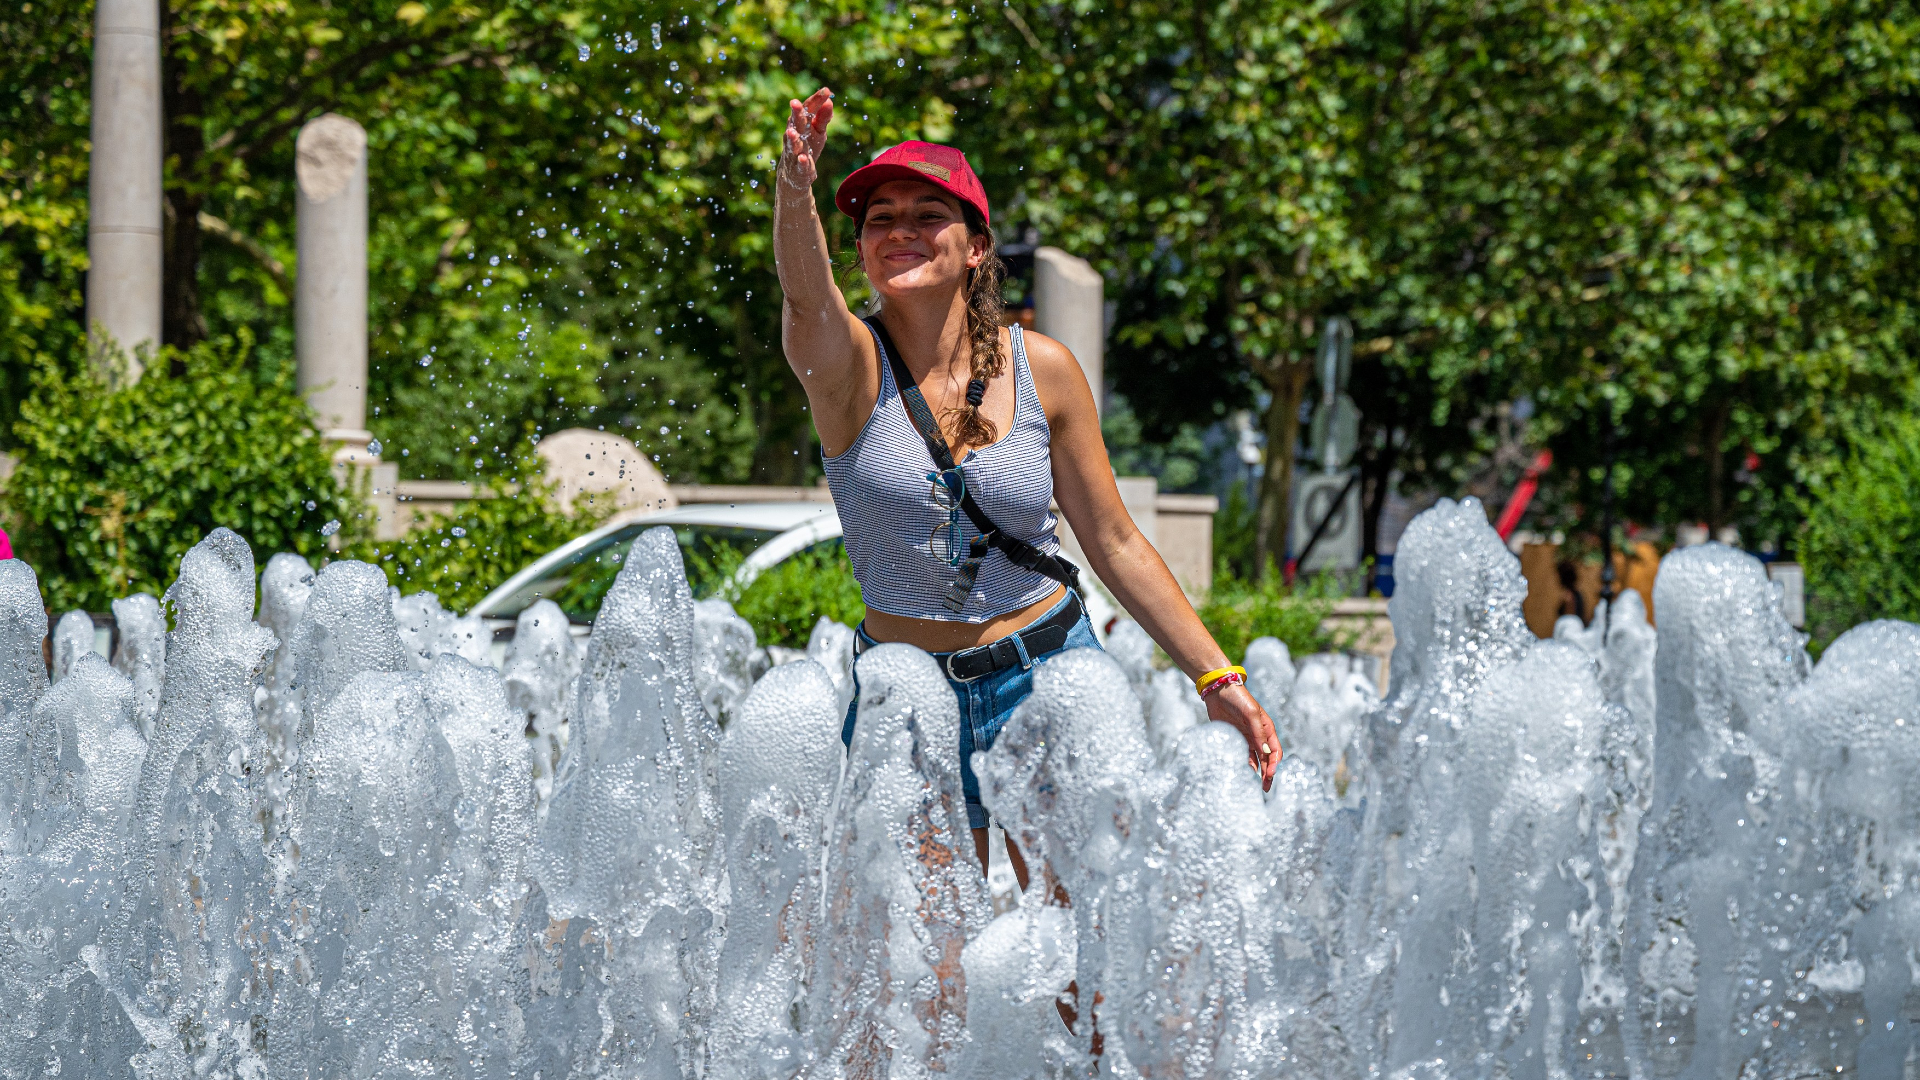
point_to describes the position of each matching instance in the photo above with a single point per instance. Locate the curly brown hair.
(986, 305)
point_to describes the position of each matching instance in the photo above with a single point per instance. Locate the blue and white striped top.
(887, 510)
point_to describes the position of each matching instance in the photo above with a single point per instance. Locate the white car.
(578, 574)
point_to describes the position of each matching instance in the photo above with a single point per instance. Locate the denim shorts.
(986, 703)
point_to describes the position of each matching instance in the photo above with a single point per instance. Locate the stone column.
(123, 183)
(1070, 306)
(330, 295)
(330, 305)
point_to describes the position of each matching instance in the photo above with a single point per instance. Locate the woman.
(1012, 409)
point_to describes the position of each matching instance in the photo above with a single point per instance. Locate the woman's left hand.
(1235, 705)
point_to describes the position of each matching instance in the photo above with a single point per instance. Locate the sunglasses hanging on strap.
(1018, 552)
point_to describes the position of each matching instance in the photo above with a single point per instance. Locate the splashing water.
(72, 639)
(141, 654)
(334, 843)
(541, 665)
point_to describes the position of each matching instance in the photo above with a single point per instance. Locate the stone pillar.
(1070, 306)
(330, 295)
(123, 182)
(330, 305)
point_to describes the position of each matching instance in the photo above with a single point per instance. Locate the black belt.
(983, 660)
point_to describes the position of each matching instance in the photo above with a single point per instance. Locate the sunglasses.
(949, 489)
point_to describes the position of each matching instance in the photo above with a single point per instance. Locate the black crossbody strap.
(1017, 551)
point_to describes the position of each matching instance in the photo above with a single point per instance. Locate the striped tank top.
(898, 537)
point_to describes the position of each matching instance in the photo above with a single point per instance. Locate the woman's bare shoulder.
(1057, 374)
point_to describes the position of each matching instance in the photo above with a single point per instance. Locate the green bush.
(1237, 611)
(1233, 527)
(1862, 528)
(785, 601)
(463, 556)
(114, 485)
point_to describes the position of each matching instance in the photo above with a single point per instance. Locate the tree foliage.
(1683, 221)
(1689, 222)
(1689, 225)
(537, 169)
(116, 484)
(1863, 526)
(1200, 151)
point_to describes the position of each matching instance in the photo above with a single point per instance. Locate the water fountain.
(327, 839)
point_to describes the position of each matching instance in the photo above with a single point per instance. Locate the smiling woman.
(949, 437)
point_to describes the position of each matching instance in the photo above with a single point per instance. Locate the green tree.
(1678, 222)
(116, 484)
(786, 601)
(1201, 149)
(1681, 222)
(43, 184)
(1690, 225)
(534, 165)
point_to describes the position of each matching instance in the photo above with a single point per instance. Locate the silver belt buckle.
(948, 664)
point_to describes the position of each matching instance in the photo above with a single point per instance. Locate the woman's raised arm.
(824, 342)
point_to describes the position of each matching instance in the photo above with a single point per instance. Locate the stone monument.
(330, 305)
(1070, 306)
(330, 296)
(123, 184)
(600, 465)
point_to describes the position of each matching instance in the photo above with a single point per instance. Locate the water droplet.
(585, 53)
(330, 527)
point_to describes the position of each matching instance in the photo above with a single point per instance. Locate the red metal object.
(1523, 494)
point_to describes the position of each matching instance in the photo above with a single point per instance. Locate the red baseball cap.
(930, 163)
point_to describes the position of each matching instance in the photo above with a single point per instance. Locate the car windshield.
(580, 582)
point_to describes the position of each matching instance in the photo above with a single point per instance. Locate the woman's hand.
(1235, 705)
(806, 136)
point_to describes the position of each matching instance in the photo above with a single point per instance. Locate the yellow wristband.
(1216, 675)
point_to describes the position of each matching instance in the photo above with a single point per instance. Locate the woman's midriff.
(939, 637)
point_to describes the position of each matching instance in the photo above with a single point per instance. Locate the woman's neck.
(930, 330)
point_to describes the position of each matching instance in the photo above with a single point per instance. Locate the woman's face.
(915, 238)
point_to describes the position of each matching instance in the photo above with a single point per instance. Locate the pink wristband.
(1231, 678)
